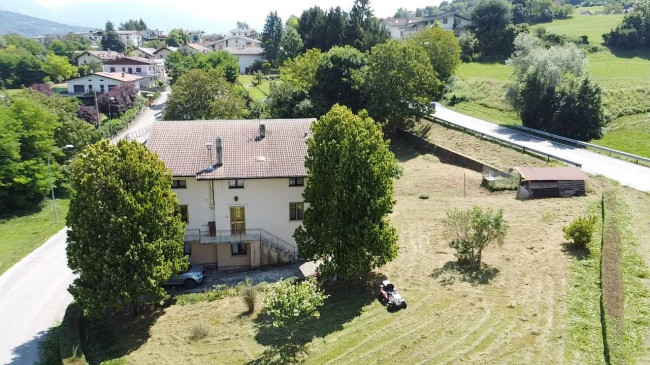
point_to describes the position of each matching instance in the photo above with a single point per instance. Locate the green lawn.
(258, 92)
(623, 75)
(23, 234)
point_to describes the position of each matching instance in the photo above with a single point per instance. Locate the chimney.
(219, 152)
(122, 74)
(262, 130)
(209, 147)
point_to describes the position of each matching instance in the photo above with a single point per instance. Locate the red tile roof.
(281, 153)
(130, 61)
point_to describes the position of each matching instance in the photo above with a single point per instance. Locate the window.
(130, 70)
(296, 211)
(296, 181)
(79, 88)
(111, 87)
(90, 88)
(444, 20)
(236, 184)
(101, 88)
(238, 248)
(112, 69)
(188, 248)
(138, 69)
(123, 69)
(184, 214)
(179, 184)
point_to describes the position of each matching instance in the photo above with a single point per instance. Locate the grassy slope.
(21, 235)
(258, 92)
(624, 76)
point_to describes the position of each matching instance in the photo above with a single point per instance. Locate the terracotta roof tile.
(281, 153)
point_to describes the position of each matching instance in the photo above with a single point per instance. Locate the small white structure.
(130, 37)
(89, 57)
(402, 28)
(144, 52)
(149, 34)
(164, 52)
(94, 36)
(196, 36)
(236, 41)
(246, 57)
(150, 70)
(245, 32)
(239, 184)
(100, 82)
(194, 48)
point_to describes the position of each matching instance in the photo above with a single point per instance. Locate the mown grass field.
(258, 92)
(20, 235)
(623, 75)
(515, 311)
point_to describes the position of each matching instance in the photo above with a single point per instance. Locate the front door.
(237, 220)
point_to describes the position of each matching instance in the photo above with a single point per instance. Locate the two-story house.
(241, 45)
(144, 52)
(130, 37)
(163, 52)
(239, 184)
(402, 28)
(150, 70)
(100, 82)
(99, 57)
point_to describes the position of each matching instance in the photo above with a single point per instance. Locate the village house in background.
(194, 48)
(150, 70)
(130, 37)
(98, 57)
(243, 44)
(239, 185)
(401, 28)
(144, 52)
(100, 82)
(164, 52)
(196, 36)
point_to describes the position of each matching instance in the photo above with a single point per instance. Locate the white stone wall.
(246, 61)
(96, 81)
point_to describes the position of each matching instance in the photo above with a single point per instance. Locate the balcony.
(221, 236)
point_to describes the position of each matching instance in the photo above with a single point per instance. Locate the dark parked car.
(191, 278)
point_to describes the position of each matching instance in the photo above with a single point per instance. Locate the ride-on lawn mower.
(389, 296)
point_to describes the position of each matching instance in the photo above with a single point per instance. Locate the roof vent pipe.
(262, 130)
(219, 153)
(209, 147)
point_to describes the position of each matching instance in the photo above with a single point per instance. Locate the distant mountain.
(30, 27)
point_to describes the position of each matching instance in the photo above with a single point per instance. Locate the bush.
(199, 331)
(249, 295)
(113, 126)
(88, 113)
(580, 230)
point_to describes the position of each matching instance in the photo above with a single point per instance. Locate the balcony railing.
(267, 239)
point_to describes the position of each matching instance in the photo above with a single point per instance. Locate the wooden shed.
(550, 182)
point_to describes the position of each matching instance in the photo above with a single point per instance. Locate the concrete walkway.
(626, 173)
(34, 292)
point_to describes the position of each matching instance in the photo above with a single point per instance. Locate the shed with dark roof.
(549, 182)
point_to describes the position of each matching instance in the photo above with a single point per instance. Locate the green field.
(258, 92)
(623, 75)
(21, 235)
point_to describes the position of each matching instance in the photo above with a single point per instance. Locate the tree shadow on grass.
(403, 150)
(345, 302)
(577, 251)
(114, 336)
(452, 271)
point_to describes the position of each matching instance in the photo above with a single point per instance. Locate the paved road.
(150, 115)
(33, 292)
(626, 173)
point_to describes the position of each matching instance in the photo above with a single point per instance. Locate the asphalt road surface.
(626, 173)
(33, 292)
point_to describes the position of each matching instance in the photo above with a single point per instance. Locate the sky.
(212, 16)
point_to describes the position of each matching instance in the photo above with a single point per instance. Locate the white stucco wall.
(134, 39)
(266, 204)
(87, 59)
(163, 53)
(96, 82)
(395, 32)
(247, 61)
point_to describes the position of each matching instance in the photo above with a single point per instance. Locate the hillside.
(30, 27)
(624, 76)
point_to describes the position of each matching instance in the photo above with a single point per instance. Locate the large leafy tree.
(311, 28)
(271, 37)
(125, 235)
(202, 94)
(363, 30)
(442, 48)
(301, 70)
(287, 100)
(177, 37)
(490, 18)
(399, 83)
(335, 81)
(350, 193)
(552, 92)
(58, 68)
(290, 44)
(335, 23)
(178, 63)
(634, 30)
(111, 40)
